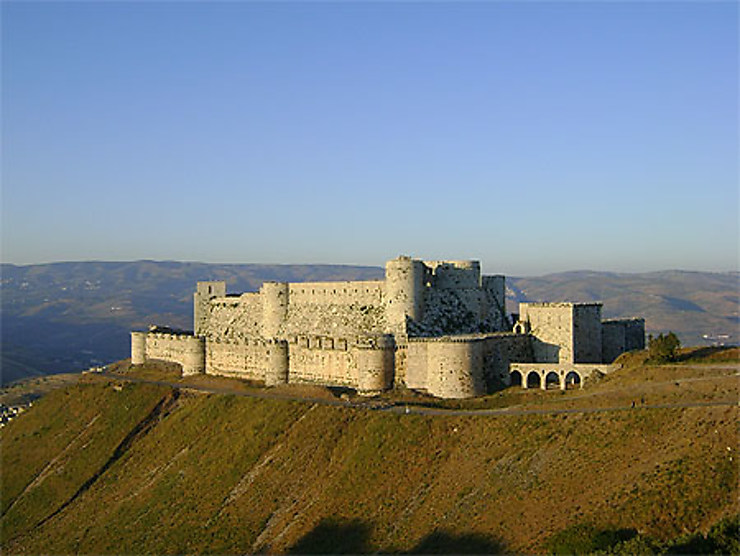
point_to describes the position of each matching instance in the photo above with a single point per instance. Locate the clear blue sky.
(534, 136)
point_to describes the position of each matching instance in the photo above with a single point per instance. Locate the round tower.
(374, 358)
(278, 363)
(194, 356)
(404, 292)
(455, 368)
(138, 348)
(275, 299)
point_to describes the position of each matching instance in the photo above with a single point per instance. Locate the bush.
(641, 545)
(584, 538)
(663, 349)
(725, 536)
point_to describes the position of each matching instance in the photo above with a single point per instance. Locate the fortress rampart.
(465, 365)
(619, 336)
(438, 326)
(185, 349)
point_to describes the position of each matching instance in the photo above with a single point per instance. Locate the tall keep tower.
(204, 292)
(404, 292)
(275, 296)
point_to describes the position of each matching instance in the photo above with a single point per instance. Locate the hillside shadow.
(702, 352)
(337, 536)
(333, 536)
(444, 542)
(680, 304)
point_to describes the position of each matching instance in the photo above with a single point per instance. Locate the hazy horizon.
(534, 137)
(485, 270)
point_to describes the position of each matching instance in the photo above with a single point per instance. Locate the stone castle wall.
(232, 317)
(241, 358)
(587, 333)
(437, 326)
(316, 360)
(619, 336)
(417, 298)
(465, 365)
(365, 364)
(185, 349)
(335, 309)
(564, 332)
(551, 324)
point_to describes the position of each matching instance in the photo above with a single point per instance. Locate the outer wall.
(455, 369)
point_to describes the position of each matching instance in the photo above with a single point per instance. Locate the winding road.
(411, 409)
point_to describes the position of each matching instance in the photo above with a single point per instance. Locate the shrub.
(585, 538)
(725, 536)
(640, 545)
(663, 349)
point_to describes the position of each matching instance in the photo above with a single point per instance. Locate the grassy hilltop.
(110, 466)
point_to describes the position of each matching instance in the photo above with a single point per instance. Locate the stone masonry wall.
(464, 366)
(613, 342)
(499, 352)
(241, 358)
(433, 325)
(233, 317)
(327, 361)
(455, 367)
(587, 333)
(551, 324)
(494, 289)
(416, 364)
(634, 334)
(619, 336)
(187, 350)
(204, 292)
(335, 309)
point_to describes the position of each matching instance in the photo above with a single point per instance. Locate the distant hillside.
(68, 316)
(109, 467)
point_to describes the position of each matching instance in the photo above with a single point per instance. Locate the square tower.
(204, 292)
(564, 332)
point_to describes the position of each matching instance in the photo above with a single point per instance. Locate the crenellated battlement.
(439, 326)
(182, 348)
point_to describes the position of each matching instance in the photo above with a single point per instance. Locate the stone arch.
(573, 380)
(552, 380)
(516, 378)
(534, 380)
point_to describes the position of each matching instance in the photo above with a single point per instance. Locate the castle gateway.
(436, 326)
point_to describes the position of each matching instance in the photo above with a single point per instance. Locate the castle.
(436, 326)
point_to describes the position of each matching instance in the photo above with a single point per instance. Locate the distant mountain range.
(65, 317)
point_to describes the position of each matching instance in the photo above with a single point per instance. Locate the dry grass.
(230, 474)
(24, 391)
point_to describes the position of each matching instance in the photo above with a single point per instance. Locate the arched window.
(516, 378)
(552, 380)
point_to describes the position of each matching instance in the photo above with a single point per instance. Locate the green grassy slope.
(219, 473)
(50, 454)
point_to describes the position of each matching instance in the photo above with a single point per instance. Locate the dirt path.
(512, 411)
(401, 408)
